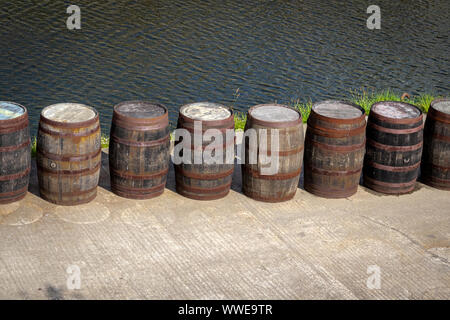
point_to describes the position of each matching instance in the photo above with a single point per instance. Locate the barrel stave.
(334, 150)
(139, 149)
(68, 159)
(282, 185)
(393, 150)
(15, 155)
(435, 168)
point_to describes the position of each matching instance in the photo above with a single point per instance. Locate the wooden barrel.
(393, 148)
(68, 153)
(257, 181)
(435, 168)
(334, 149)
(198, 179)
(139, 149)
(15, 153)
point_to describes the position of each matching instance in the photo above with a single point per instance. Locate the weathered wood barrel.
(259, 181)
(393, 148)
(334, 149)
(139, 149)
(195, 177)
(435, 168)
(68, 153)
(15, 152)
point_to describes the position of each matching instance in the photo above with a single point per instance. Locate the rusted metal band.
(436, 114)
(70, 193)
(438, 166)
(394, 148)
(337, 148)
(69, 134)
(391, 168)
(326, 192)
(13, 199)
(378, 116)
(202, 197)
(258, 197)
(207, 190)
(272, 124)
(138, 196)
(140, 143)
(19, 119)
(389, 184)
(278, 176)
(78, 125)
(203, 176)
(192, 131)
(441, 137)
(127, 124)
(394, 131)
(15, 175)
(127, 175)
(14, 128)
(118, 187)
(16, 147)
(59, 172)
(69, 158)
(69, 202)
(335, 133)
(328, 172)
(15, 193)
(282, 153)
(443, 185)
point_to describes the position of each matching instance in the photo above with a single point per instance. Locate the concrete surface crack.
(433, 255)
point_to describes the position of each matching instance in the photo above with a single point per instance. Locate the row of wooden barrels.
(339, 146)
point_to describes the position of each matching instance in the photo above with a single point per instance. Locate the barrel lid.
(206, 111)
(337, 109)
(395, 110)
(442, 105)
(140, 109)
(69, 112)
(274, 113)
(10, 110)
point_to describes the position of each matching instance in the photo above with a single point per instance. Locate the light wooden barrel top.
(205, 111)
(69, 112)
(337, 110)
(396, 110)
(442, 106)
(140, 109)
(10, 110)
(274, 113)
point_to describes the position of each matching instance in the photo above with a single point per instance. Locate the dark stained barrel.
(139, 149)
(393, 148)
(258, 180)
(435, 168)
(68, 153)
(334, 149)
(197, 178)
(15, 152)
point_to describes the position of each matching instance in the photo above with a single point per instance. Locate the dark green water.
(181, 51)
